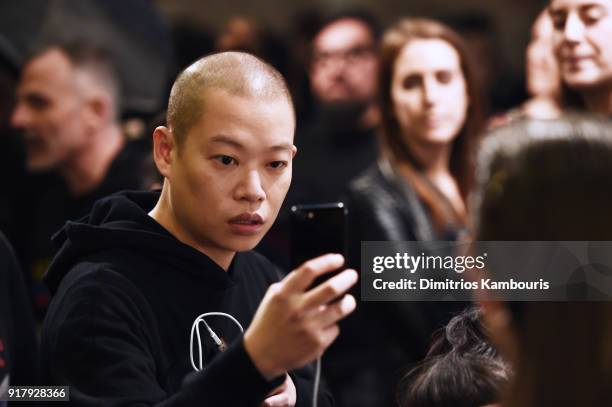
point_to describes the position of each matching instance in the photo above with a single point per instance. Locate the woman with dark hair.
(430, 118)
(415, 191)
(549, 181)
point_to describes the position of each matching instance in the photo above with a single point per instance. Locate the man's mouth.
(247, 219)
(33, 143)
(246, 223)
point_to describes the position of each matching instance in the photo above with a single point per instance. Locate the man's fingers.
(278, 400)
(286, 397)
(336, 311)
(302, 277)
(329, 335)
(330, 289)
(280, 388)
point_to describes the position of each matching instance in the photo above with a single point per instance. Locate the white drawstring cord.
(195, 329)
(315, 389)
(219, 342)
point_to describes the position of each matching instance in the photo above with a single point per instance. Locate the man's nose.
(250, 188)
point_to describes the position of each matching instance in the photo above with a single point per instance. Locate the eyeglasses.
(354, 55)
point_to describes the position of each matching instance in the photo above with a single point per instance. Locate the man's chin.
(245, 244)
(39, 164)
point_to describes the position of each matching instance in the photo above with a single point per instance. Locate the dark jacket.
(380, 341)
(50, 205)
(18, 346)
(382, 206)
(126, 293)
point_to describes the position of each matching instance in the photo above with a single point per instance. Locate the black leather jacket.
(382, 206)
(380, 341)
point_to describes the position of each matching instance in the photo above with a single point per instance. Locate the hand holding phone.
(303, 321)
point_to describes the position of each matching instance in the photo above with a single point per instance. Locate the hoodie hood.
(122, 221)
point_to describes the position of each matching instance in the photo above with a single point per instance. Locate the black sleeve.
(22, 345)
(95, 340)
(304, 385)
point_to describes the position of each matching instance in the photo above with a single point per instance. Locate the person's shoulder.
(6, 249)
(367, 179)
(95, 293)
(365, 188)
(92, 280)
(9, 267)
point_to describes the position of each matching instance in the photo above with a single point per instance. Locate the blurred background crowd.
(84, 82)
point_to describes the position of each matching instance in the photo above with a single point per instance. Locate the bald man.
(130, 282)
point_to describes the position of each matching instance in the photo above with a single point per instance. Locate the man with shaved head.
(153, 290)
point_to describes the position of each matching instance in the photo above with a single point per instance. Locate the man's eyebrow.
(282, 147)
(222, 139)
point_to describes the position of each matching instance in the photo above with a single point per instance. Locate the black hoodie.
(126, 293)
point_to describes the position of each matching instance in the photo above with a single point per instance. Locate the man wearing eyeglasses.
(337, 136)
(344, 65)
(338, 141)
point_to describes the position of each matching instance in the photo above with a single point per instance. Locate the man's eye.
(226, 160)
(278, 164)
(37, 102)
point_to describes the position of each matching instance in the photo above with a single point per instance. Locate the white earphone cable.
(195, 330)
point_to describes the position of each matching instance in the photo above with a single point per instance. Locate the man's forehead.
(49, 70)
(343, 34)
(51, 59)
(226, 118)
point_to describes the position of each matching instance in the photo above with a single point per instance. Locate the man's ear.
(163, 147)
(99, 112)
(294, 151)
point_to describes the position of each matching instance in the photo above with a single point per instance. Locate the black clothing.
(14, 181)
(18, 345)
(382, 340)
(51, 205)
(126, 293)
(383, 206)
(331, 152)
